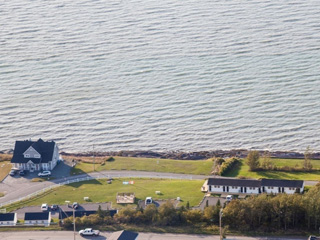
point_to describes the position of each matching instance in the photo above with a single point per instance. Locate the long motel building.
(251, 186)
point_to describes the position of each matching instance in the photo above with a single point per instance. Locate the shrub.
(227, 165)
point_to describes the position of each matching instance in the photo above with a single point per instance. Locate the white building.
(37, 218)
(38, 156)
(250, 186)
(8, 219)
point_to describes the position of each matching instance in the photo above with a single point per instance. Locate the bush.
(227, 165)
(110, 159)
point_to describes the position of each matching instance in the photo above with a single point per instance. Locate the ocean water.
(161, 75)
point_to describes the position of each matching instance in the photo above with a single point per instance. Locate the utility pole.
(93, 158)
(220, 223)
(74, 225)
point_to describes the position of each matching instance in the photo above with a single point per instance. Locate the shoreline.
(201, 155)
(183, 155)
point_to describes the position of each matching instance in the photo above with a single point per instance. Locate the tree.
(168, 215)
(266, 161)
(253, 160)
(150, 213)
(101, 213)
(307, 159)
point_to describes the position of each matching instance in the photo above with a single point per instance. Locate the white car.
(89, 232)
(229, 198)
(44, 174)
(148, 200)
(44, 207)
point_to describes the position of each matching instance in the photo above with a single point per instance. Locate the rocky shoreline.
(241, 153)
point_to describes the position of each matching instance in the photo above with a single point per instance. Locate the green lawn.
(5, 168)
(101, 191)
(243, 171)
(148, 164)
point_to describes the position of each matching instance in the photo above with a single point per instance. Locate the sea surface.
(161, 75)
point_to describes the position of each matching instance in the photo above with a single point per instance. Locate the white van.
(229, 198)
(44, 207)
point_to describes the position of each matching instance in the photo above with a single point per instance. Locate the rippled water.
(161, 75)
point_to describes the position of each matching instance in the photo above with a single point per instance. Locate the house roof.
(234, 182)
(45, 149)
(37, 216)
(255, 183)
(7, 216)
(281, 183)
(65, 214)
(123, 235)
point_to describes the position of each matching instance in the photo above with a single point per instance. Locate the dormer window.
(27, 155)
(37, 156)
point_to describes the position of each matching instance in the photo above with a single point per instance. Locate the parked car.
(44, 207)
(148, 200)
(12, 172)
(75, 205)
(313, 238)
(229, 198)
(22, 172)
(89, 232)
(54, 207)
(44, 174)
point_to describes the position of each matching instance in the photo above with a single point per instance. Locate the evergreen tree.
(253, 160)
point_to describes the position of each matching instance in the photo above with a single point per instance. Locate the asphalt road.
(64, 235)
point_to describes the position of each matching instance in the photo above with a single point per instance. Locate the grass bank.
(101, 191)
(5, 168)
(198, 167)
(242, 170)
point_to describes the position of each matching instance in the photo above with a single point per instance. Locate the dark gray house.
(35, 156)
(37, 218)
(8, 219)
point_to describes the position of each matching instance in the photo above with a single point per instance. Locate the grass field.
(243, 171)
(101, 191)
(4, 169)
(203, 167)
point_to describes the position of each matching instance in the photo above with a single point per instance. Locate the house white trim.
(249, 186)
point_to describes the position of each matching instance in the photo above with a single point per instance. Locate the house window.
(216, 186)
(27, 155)
(37, 155)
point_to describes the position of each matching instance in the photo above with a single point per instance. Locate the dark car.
(12, 172)
(54, 207)
(22, 172)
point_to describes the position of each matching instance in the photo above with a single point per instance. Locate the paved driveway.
(55, 214)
